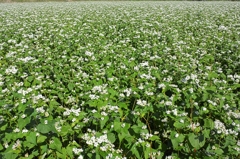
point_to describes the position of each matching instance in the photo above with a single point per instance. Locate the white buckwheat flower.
(11, 70)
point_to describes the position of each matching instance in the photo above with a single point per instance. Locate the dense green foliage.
(120, 80)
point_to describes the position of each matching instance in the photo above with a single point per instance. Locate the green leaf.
(56, 145)
(69, 151)
(1, 147)
(179, 125)
(23, 122)
(92, 103)
(4, 127)
(98, 156)
(27, 84)
(111, 137)
(147, 152)
(175, 144)
(130, 139)
(54, 103)
(212, 75)
(30, 78)
(44, 128)
(219, 151)
(205, 96)
(60, 155)
(154, 137)
(208, 123)
(71, 86)
(35, 153)
(134, 150)
(21, 108)
(112, 91)
(176, 139)
(123, 105)
(103, 122)
(31, 137)
(211, 89)
(136, 129)
(44, 148)
(66, 129)
(90, 155)
(206, 133)
(28, 144)
(101, 103)
(230, 140)
(196, 141)
(41, 139)
(10, 155)
(117, 126)
(121, 136)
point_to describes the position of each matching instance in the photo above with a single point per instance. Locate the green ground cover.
(120, 80)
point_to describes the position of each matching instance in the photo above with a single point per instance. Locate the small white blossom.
(142, 102)
(16, 130)
(88, 53)
(181, 121)
(24, 131)
(23, 116)
(77, 151)
(176, 135)
(16, 145)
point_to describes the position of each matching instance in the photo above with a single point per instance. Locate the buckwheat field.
(118, 80)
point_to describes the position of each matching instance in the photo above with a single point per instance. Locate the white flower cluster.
(146, 136)
(212, 102)
(135, 113)
(93, 96)
(221, 129)
(234, 114)
(1, 80)
(100, 89)
(57, 126)
(194, 125)
(155, 155)
(147, 76)
(192, 77)
(110, 156)
(222, 28)
(174, 111)
(10, 54)
(128, 91)
(16, 145)
(219, 126)
(67, 111)
(36, 98)
(101, 141)
(25, 92)
(16, 130)
(71, 100)
(109, 108)
(88, 53)
(1, 119)
(27, 59)
(77, 151)
(235, 77)
(142, 103)
(40, 110)
(11, 70)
